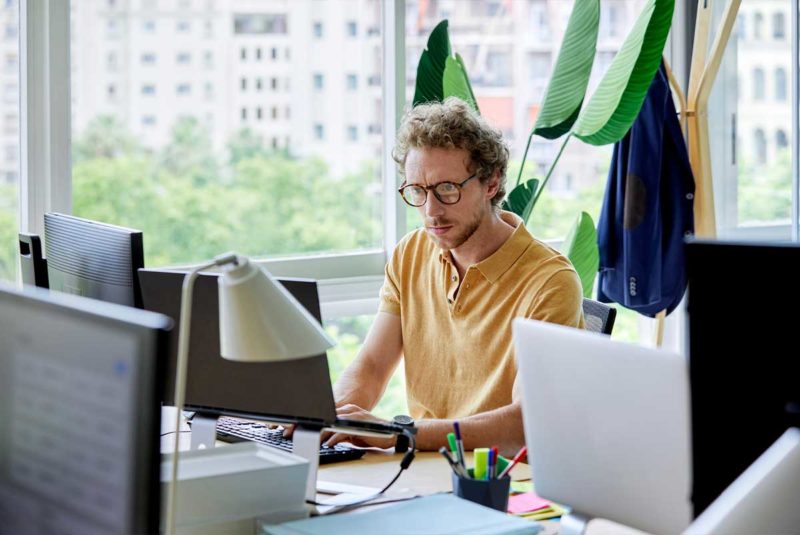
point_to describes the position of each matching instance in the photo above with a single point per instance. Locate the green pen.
(451, 439)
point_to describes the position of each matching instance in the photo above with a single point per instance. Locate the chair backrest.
(599, 317)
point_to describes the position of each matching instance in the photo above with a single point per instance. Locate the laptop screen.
(284, 391)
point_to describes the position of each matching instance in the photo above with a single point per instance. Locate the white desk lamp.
(258, 321)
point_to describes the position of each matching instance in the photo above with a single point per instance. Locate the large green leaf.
(567, 86)
(580, 246)
(456, 82)
(522, 198)
(616, 102)
(430, 70)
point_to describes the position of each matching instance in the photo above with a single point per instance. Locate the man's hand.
(354, 412)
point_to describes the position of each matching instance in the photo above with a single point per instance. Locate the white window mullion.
(394, 90)
(795, 73)
(45, 167)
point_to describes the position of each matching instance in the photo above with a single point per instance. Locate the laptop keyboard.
(231, 429)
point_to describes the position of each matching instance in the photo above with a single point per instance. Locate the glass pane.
(229, 125)
(9, 139)
(509, 49)
(751, 103)
(349, 333)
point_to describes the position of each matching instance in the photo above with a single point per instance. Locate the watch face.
(403, 420)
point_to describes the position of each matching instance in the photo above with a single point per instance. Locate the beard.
(459, 239)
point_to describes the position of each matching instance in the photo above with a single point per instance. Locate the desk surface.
(429, 474)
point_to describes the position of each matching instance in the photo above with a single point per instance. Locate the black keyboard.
(235, 430)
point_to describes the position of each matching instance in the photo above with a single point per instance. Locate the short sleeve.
(560, 300)
(390, 292)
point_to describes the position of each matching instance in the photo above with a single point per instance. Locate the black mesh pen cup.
(491, 493)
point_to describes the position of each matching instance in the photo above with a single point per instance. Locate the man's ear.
(493, 185)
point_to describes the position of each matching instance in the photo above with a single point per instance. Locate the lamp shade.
(260, 321)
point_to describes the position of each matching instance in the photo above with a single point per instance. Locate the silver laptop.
(607, 425)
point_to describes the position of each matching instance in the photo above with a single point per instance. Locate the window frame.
(349, 282)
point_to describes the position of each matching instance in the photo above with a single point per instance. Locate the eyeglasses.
(446, 192)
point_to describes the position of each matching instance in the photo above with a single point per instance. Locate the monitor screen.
(79, 415)
(744, 361)
(93, 259)
(285, 391)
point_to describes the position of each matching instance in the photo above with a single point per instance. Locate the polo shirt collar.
(501, 260)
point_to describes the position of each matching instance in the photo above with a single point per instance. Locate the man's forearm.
(358, 385)
(499, 427)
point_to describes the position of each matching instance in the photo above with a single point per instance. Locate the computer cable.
(404, 464)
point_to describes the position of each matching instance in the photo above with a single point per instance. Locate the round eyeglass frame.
(459, 186)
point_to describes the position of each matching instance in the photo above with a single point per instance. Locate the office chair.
(599, 317)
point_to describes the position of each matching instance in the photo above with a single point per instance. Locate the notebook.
(442, 514)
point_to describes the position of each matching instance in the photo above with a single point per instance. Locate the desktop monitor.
(79, 415)
(93, 259)
(296, 391)
(743, 357)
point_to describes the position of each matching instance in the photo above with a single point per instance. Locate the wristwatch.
(401, 446)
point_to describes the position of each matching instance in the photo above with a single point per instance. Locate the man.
(453, 287)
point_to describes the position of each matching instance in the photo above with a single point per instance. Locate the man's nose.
(433, 206)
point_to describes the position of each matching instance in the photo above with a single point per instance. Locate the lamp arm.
(180, 374)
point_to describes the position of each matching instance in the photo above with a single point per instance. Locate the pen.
(460, 444)
(494, 458)
(520, 454)
(490, 464)
(453, 465)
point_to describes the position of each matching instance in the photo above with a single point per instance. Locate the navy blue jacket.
(647, 210)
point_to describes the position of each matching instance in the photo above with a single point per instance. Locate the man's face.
(450, 225)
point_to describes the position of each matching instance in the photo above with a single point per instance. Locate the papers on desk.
(441, 513)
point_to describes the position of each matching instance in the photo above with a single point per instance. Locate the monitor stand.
(305, 443)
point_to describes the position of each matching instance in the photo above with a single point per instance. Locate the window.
(149, 26)
(148, 120)
(319, 131)
(752, 156)
(183, 26)
(243, 54)
(274, 112)
(258, 54)
(10, 139)
(208, 59)
(244, 114)
(243, 84)
(148, 89)
(183, 58)
(317, 30)
(259, 24)
(758, 26)
(780, 84)
(352, 133)
(148, 58)
(760, 143)
(258, 84)
(273, 83)
(273, 53)
(318, 81)
(352, 82)
(352, 28)
(183, 89)
(111, 61)
(258, 113)
(778, 26)
(758, 83)
(781, 140)
(111, 91)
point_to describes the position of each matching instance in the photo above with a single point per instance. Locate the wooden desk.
(429, 474)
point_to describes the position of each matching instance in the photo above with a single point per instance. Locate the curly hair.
(452, 124)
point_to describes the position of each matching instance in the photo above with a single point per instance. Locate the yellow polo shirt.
(457, 347)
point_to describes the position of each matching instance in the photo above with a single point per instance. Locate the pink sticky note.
(526, 502)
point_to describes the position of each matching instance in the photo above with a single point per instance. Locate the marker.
(490, 464)
(460, 444)
(495, 457)
(520, 454)
(481, 458)
(451, 439)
